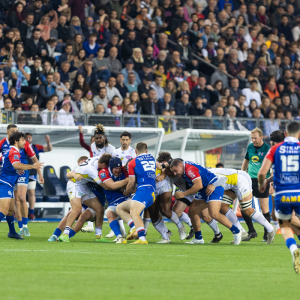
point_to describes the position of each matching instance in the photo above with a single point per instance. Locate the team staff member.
(254, 157)
(32, 173)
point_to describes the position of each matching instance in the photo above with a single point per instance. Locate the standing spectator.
(46, 90)
(251, 93)
(36, 45)
(49, 110)
(78, 7)
(102, 65)
(46, 26)
(220, 74)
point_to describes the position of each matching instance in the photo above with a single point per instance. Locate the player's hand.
(160, 178)
(47, 138)
(262, 187)
(38, 165)
(78, 177)
(41, 180)
(179, 195)
(271, 189)
(21, 172)
(158, 166)
(209, 189)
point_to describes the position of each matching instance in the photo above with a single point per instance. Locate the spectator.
(111, 90)
(182, 106)
(130, 44)
(115, 65)
(91, 47)
(26, 27)
(241, 111)
(76, 101)
(129, 69)
(36, 46)
(287, 105)
(251, 93)
(271, 90)
(16, 15)
(21, 75)
(64, 118)
(12, 95)
(165, 103)
(266, 106)
(197, 109)
(132, 85)
(75, 28)
(101, 98)
(193, 79)
(34, 118)
(27, 104)
(144, 88)
(87, 105)
(234, 89)
(46, 26)
(60, 89)
(67, 56)
(63, 30)
(49, 114)
(2, 81)
(166, 122)
(149, 106)
(250, 109)
(121, 86)
(233, 124)
(220, 74)
(88, 72)
(115, 102)
(234, 66)
(156, 85)
(271, 124)
(46, 90)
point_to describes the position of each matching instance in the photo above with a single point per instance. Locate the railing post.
(224, 123)
(49, 118)
(122, 121)
(190, 122)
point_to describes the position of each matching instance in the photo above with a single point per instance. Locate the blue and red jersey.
(143, 167)
(9, 174)
(27, 151)
(194, 171)
(4, 145)
(106, 174)
(285, 158)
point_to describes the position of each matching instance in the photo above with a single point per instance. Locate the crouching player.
(11, 162)
(112, 176)
(284, 158)
(142, 170)
(198, 178)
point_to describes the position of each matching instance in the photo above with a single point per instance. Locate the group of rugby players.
(133, 182)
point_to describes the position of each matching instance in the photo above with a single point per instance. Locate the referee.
(256, 152)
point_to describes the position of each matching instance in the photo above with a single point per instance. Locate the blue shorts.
(98, 191)
(217, 195)
(6, 191)
(286, 203)
(144, 195)
(117, 202)
(23, 179)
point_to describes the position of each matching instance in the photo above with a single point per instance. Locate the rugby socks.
(2, 216)
(121, 224)
(31, 211)
(198, 235)
(268, 217)
(91, 224)
(214, 226)
(146, 223)
(276, 224)
(160, 226)
(259, 218)
(67, 230)
(186, 219)
(115, 227)
(57, 232)
(20, 224)
(25, 222)
(249, 222)
(71, 233)
(234, 229)
(130, 224)
(141, 233)
(11, 223)
(292, 245)
(231, 216)
(175, 220)
(98, 231)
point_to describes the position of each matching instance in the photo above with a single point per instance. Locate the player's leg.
(147, 219)
(17, 210)
(275, 221)
(213, 224)
(57, 232)
(31, 197)
(21, 195)
(264, 206)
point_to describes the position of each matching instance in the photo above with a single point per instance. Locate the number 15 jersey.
(285, 163)
(143, 167)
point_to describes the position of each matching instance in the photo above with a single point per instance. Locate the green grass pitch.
(37, 269)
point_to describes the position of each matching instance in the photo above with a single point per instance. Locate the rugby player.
(284, 158)
(11, 161)
(198, 178)
(254, 157)
(32, 174)
(141, 169)
(125, 153)
(80, 193)
(109, 176)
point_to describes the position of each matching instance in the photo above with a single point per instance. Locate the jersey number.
(289, 163)
(85, 163)
(148, 166)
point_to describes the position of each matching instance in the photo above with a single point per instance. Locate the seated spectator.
(293, 94)
(102, 65)
(36, 46)
(249, 110)
(80, 83)
(111, 90)
(2, 81)
(266, 106)
(234, 66)
(87, 105)
(128, 45)
(165, 103)
(64, 71)
(64, 118)
(149, 105)
(79, 59)
(100, 109)
(101, 98)
(132, 85)
(129, 120)
(240, 107)
(46, 70)
(88, 72)
(183, 88)
(135, 100)
(60, 89)
(271, 90)
(7, 105)
(129, 69)
(233, 124)
(222, 103)
(34, 118)
(115, 65)
(21, 75)
(46, 90)
(220, 74)
(197, 109)
(63, 30)
(137, 58)
(49, 110)
(67, 55)
(251, 124)
(12, 95)
(144, 88)
(114, 102)
(16, 15)
(46, 26)
(218, 123)
(271, 124)
(75, 28)
(166, 122)
(182, 107)
(27, 103)
(251, 93)
(234, 89)
(121, 86)
(125, 103)
(35, 76)
(193, 79)
(287, 105)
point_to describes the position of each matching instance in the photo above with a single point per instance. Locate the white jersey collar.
(291, 139)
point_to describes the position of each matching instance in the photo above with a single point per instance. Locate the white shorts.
(91, 210)
(112, 208)
(244, 185)
(79, 191)
(31, 185)
(163, 187)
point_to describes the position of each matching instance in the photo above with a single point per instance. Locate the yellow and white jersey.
(231, 174)
(89, 171)
(99, 151)
(162, 187)
(124, 155)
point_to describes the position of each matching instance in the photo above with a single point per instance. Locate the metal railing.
(146, 121)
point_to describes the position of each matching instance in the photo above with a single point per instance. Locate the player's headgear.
(115, 162)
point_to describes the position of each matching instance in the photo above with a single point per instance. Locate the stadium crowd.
(234, 58)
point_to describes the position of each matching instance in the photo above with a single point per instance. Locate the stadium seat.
(63, 175)
(39, 192)
(51, 198)
(53, 186)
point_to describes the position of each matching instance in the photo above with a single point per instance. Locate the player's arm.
(198, 185)
(245, 165)
(72, 175)
(266, 165)
(35, 161)
(130, 186)
(48, 147)
(109, 184)
(20, 166)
